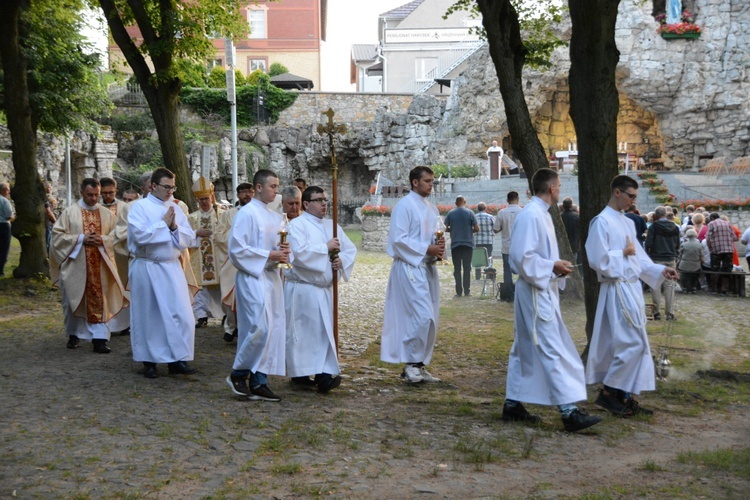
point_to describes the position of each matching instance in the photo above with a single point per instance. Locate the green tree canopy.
(277, 69)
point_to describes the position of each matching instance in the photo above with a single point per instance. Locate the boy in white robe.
(161, 315)
(255, 250)
(619, 355)
(412, 297)
(544, 366)
(308, 293)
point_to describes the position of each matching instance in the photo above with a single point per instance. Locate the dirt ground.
(75, 424)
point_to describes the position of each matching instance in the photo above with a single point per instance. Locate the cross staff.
(331, 130)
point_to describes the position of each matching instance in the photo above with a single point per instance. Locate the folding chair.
(479, 260)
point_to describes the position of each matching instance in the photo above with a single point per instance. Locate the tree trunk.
(594, 104)
(28, 191)
(162, 91)
(508, 54)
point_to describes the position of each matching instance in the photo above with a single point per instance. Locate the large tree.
(594, 105)
(170, 30)
(49, 83)
(510, 52)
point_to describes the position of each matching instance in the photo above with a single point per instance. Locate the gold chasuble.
(89, 276)
(206, 258)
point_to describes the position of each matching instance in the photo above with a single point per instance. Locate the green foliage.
(214, 102)
(64, 88)
(456, 171)
(277, 69)
(132, 123)
(191, 74)
(536, 19)
(239, 78)
(257, 76)
(217, 78)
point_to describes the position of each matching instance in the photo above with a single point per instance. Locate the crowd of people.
(146, 267)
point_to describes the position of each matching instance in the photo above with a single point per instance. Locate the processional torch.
(331, 131)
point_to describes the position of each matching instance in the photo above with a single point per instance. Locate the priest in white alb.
(544, 366)
(82, 262)
(619, 354)
(227, 271)
(205, 255)
(412, 297)
(308, 293)
(161, 316)
(255, 250)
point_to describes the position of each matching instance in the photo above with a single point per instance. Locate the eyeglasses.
(324, 200)
(172, 189)
(631, 196)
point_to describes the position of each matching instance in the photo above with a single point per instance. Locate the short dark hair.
(567, 204)
(301, 180)
(311, 190)
(130, 191)
(460, 199)
(512, 196)
(161, 173)
(714, 216)
(261, 176)
(622, 182)
(243, 186)
(632, 209)
(481, 206)
(89, 181)
(417, 173)
(107, 181)
(542, 180)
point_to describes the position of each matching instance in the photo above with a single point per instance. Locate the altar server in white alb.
(161, 316)
(82, 261)
(544, 367)
(227, 271)
(308, 293)
(619, 355)
(255, 250)
(412, 297)
(206, 255)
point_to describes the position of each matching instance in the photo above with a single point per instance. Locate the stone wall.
(349, 107)
(375, 232)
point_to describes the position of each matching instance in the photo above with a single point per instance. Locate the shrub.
(457, 171)
(277, 69)
(132, 123)
(217, 79)
(191, 74)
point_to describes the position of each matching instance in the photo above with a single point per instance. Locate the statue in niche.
(674, 11)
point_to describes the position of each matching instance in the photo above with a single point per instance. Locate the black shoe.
(125, 332)
(671, 317)
(611, 403)
(577, 421)
(181, 368)
(633, 408)
(101, 347)
(329, 383)
(238, 385)
(201, 322)
(228, 337)
(303, 382)
(519, 414)
(73, 342)
(657, 316)
(150, 371)
(263, 393)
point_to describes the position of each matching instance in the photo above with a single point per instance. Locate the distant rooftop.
(403, 11)
(364, 52)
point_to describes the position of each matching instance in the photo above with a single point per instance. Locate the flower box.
(667, 35)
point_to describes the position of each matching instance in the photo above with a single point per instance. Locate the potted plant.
(684, 29)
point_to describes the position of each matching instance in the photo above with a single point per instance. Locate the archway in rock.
(637, 128)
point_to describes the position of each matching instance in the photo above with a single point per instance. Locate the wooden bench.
(736, 281)
(715, 166)
(740, 166)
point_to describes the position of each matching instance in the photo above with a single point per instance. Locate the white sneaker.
(427, 376)
(412, 374)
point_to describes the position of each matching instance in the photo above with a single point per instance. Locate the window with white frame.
(257, 20)
(258, 63)
(424, 67)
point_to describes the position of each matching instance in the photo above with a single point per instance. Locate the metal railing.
(446, 63)
(127, 93)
